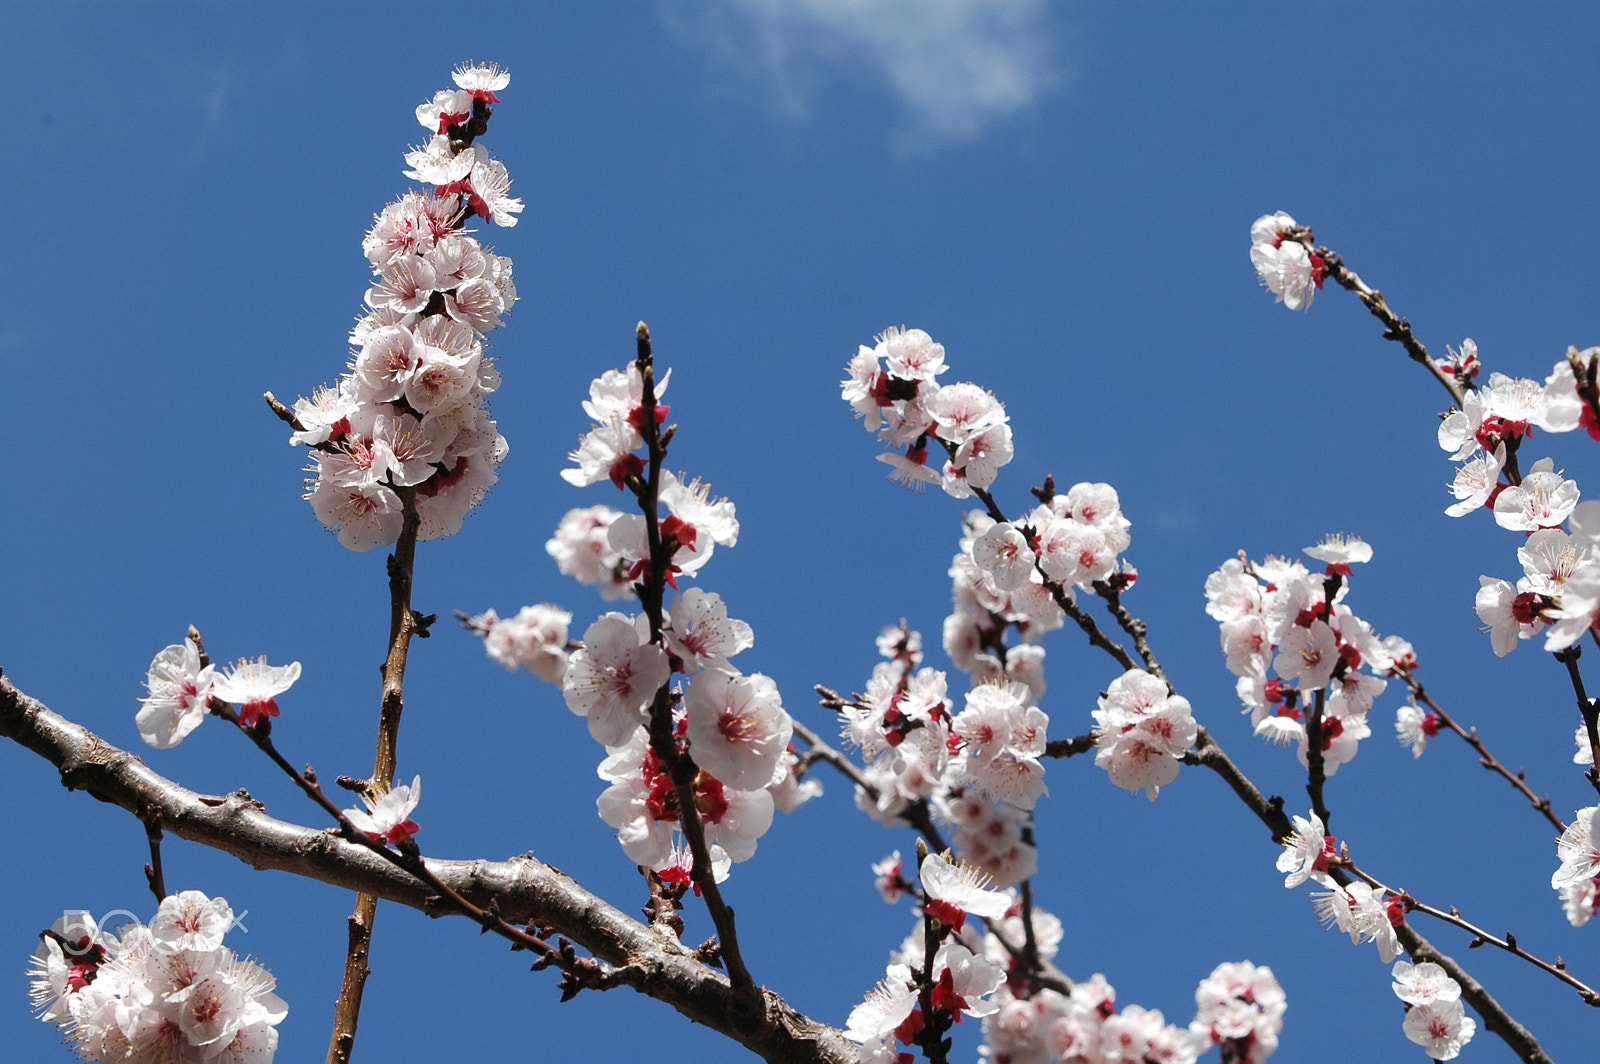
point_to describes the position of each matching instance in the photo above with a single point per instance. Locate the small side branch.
(1485, 757)
(1395, 327)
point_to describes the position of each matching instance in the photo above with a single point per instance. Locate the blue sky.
(1060, 194)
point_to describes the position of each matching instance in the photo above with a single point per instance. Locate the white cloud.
(954, 65)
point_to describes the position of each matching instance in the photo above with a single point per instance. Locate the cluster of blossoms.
(167, 992)
(1435, 1017)
(1141, 730)
(1578, 878)
(893, 387)
(1559, 591)
(1288, 269)
(1295, 646)
(1238, 1005)
(181, 692)
(981, 614)
(582, 550)
(732, 725)
(535, 639)
(957, 981)
(411, 412)
(979, 769)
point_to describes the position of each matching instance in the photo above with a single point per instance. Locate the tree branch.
(522, 890)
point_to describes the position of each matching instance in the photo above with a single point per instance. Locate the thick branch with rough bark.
(522, 890)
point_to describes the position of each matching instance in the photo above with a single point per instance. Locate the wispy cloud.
(211, 101)
(954, 65)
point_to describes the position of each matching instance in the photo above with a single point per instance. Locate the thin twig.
(1209, 753)
(1485, 757)
(917, 814)
(403, 624)
(680, 765)
(1481, 937)
(152, 871)
(1587, 707)
(1395, 327)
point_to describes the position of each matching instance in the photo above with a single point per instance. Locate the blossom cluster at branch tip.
(181, 689)
(1141, 731)
(893, 387)
(534, 639)
(979, 770)
(412, 413)
(1577, 881)
(169, 991)
(1435, 1017)
(1295, 645)
(1288, 269)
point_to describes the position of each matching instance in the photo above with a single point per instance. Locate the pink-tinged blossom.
(254, 687)
(963, 410)
(535, 639)
(323, 416)
(889, 877)
(738, 730)
(1460, 431)
(1232, 592)
(1271, 228)
(701, 634)
(873, 1022)
(1290, 272)
(1358, 911)
(1509, 615)
(910, 470)
(605, 453)
(1579, 849)
(168, 995)
(1338, 549)
(1343, 728)
(388, 817)
(179, 691)
(437, 162)
(1440, 1028)
(1141, 731)
(364, 515)
(1073, 552)
(66, 961)
(489, 193)
(981, 456)
(1580, 900)
(1413, 727)
(613, 677)
(1423, 984)
(482, 80)
(1475, 482)
(1544, 499)
(1306, 853)
(1308, 655)
(1240, 1004)
(449, 107)
(1137, 1035)
(911, 354)
(189, 920)
(953, 890)
(1003, 553)
(988, 835)
(1577, 609)
(582, 551)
